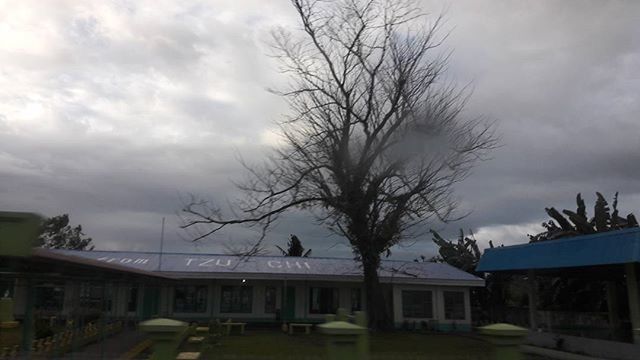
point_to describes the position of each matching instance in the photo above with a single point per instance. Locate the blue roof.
(181, 265)
(608, 248)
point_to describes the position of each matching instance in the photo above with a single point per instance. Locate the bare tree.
(376, 138)
(245, 249)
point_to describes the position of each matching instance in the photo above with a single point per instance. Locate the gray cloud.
(111, 110)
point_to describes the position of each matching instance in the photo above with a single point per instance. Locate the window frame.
(445, 306)
(197, 307)
(358, 297)
(327, 308)
(229, 308)
(133, 300)
(49, 297)
(267, 305)
(92, 296)
(412, 313)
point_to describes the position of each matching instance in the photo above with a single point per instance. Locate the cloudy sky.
(112, 111)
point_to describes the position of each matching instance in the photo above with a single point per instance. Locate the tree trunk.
(378, 309)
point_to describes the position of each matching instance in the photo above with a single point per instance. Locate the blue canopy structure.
(608, 248)
(602, 256)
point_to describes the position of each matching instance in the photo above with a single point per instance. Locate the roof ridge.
(227, 255)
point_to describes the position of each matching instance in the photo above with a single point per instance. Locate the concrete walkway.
(555, 354)
(595, 348)
(112, 348)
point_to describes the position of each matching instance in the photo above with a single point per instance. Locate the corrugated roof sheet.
(72, 257)
(213, 266)
(608, 248)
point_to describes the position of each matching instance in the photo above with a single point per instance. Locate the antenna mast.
(161, 245)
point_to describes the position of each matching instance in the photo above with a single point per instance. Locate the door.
(289, 303)
(150, 302)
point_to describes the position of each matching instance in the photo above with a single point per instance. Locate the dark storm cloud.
(111, 111)
(560, 79)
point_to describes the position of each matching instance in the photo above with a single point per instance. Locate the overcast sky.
(111, 110)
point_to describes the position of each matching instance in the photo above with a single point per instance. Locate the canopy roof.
(602, 249)
(213, 266)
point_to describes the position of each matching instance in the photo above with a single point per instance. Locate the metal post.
(284, 301)
(612, 307)
(103, 322)
(213, 298)
(634, 300)
(27, 324)
(533, 300)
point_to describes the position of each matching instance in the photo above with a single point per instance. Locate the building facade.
(200, 287)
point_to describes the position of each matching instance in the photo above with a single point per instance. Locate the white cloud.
(510, 234)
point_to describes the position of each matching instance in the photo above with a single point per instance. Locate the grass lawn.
(397, 345)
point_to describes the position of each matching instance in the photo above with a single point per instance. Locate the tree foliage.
(463, 254)
(375, 140)
(294, 248)
(489, 302)
(577, 223)
(56, 233)
(578, 294)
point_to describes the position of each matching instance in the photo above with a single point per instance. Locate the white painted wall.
(120, 295)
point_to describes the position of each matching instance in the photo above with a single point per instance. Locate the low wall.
(591, 347)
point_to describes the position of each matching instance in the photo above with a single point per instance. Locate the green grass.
(397, 345)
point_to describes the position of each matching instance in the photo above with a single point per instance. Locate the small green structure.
(506, 339)
(6, 313)
(18, 232)
(345, 340)
(166, 334)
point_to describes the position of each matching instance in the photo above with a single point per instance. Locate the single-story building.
(140, 285)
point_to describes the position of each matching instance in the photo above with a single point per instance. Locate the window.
(91, 296)
(108, 300)
(323, 300)
(417, 304)
(269, 300)
(454, 308)
(49, 297)
(6, 288)
(132, 300)
(190, 299)
(356, 299)
(236, 299)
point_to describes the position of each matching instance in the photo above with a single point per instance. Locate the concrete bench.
(229, 325)
(195, 339)
(188, 356)
(307, 327)
(202, 329)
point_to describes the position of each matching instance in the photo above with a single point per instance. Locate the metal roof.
(608, 248)
(213, 266)
(73, 258)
